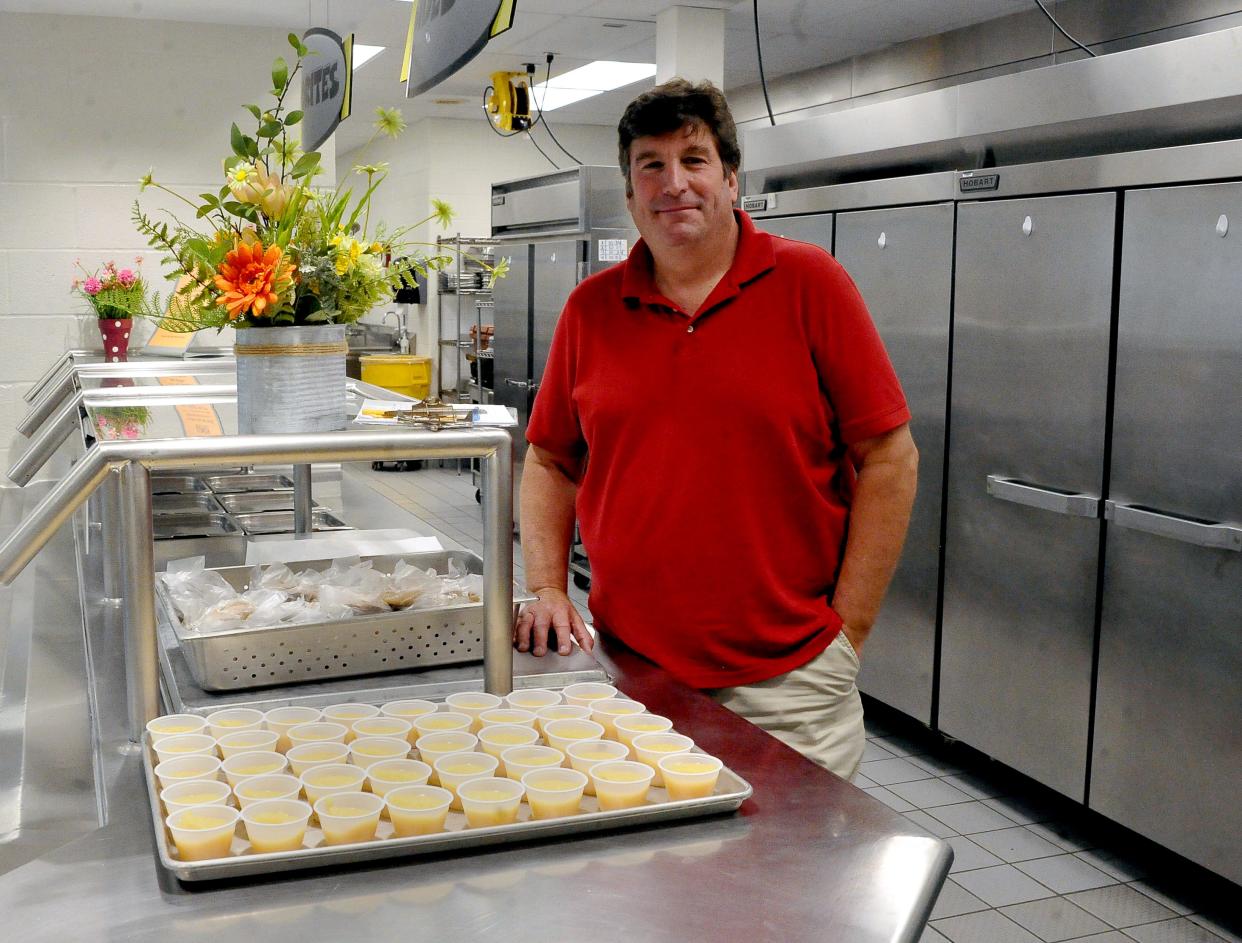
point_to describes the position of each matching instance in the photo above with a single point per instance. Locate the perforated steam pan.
(287, 654)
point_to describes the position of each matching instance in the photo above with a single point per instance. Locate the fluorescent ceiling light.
(592, 79)
(364, 54)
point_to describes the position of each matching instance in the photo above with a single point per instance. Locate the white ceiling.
(796, 35)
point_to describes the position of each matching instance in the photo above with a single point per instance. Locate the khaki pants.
(815, 709)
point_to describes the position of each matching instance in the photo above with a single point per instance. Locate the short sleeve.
(854, 368)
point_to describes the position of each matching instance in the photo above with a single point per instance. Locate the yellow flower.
(377, 248)
(389, 121)
(251, 183)
(347, 257)
(443, 212)
(147, 179)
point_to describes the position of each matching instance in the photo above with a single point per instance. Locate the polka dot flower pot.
(115, 333)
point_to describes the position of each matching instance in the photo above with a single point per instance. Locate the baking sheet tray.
(731, 792)
(254, 502)
(193, 524)
(176, 484)
(201, 502)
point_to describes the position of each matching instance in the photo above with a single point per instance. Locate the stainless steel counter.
(808, 857)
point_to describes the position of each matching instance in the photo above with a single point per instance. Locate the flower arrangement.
(278, 250)
(116, 293)
(121, 422)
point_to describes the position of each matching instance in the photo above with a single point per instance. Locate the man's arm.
(883, 496)
(548, 492)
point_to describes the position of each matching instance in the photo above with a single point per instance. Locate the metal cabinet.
(1167, 751)
(817, 228)
(902, 261)
(1030, 373)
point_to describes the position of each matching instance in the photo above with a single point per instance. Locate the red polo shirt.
(714, 501)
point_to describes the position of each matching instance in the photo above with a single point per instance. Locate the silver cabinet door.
(555, 275)
(902, 261)
(815, 229)
(511, 343)
(1032, 314)
(1167, 751)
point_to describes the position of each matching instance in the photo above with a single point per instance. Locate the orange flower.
(251, 279)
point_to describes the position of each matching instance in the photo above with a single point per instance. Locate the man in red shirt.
(720, 416)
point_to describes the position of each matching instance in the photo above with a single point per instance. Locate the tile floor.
(1029, 866)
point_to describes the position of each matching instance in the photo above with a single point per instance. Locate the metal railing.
(132, 462)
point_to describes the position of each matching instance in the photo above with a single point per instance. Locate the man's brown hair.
(674, 105)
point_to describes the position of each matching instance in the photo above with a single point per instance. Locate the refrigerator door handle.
(1059, 502)
(1199, 533)
(519, 384)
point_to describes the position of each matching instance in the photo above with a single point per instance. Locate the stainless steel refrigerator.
(1030, 370)
(556, 229)
(1167, 756)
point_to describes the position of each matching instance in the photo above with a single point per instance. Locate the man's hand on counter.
(553, 610)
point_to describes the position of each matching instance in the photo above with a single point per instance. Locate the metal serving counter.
(808, 856)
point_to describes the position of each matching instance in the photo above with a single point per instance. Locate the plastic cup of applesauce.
(276, 824)
(490, 801)
(387, 775)
(262, 788)
(606, 712)
(518, 761)
(560, 712)
(384, 727)
(472, 704)
(585, 692)
(650, 747)
(318, 732)
(508, 715)
(203, 831)
(583, 754)
(346, 714)
(554, 793)
(186, 795)
(282, 719)
(257, 763)
(432, 746)
(185, 744)
(561, 733)
(173, 725)
(233, 719)
(349, 816)
(306, 756)
(442, 722)
(247, 741)
(408, 709)
(328, 780)
(458, 768)
(689, 775)
(367, 750)
(531, 699)
(418, 810)
(621, 784)
(495, 740)
(195, 768)
(635, 725)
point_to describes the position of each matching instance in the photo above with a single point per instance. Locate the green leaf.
(231, 162)
(269, 129)
(254, 110)
(280, 73)
(295, 42)
(203, 211)
(238, 140)
(318, 317)
(224, 191)
(305, 164)
(292, 118)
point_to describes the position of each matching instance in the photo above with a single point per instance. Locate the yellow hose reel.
(508, 101)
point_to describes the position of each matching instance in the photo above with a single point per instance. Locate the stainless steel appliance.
(554, 230)
(1167, 752)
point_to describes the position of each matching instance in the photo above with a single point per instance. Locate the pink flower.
(92, 286)
(131, 430)
(137, 260)
(126, 277)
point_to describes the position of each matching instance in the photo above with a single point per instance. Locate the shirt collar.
(753, 258)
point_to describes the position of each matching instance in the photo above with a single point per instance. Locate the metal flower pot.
(291, 379)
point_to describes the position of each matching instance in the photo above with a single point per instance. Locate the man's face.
(682, 195)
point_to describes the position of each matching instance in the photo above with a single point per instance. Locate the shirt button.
(690, 329)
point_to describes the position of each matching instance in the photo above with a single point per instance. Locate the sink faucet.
(403, 336)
